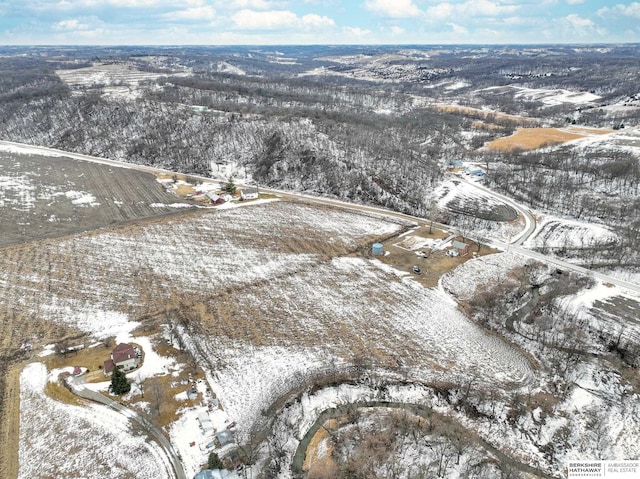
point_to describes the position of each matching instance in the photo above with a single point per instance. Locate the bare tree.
(155, 397)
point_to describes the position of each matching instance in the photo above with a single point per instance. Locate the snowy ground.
(463, 281)
(627, 139)
(59, 440)
(107, 75)
(460, 196)
(190, 440)
(556, 233)
(334, 307)
(548, 97)
(281, 298)
(103, 279)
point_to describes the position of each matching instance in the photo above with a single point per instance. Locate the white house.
(123, 357)
(249, 194)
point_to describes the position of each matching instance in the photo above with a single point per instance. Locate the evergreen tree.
(230, 187)
(119, 383)
(214, 462)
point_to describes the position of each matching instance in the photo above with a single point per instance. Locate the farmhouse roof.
(108, 366)
(123, 352)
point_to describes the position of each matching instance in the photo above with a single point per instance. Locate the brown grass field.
(533, 138)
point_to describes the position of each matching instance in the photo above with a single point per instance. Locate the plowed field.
(45, 196)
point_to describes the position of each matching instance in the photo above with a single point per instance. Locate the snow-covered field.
(60, 440)
(43, 195)
(463, 281)
(557, 233)
(289, 300)
(548, 97)
(460, 196)
(314, 322)
(281, 298)
(627, 139)
(111, 275)
(106, 75)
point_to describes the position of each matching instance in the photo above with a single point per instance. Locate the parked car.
(417, 270)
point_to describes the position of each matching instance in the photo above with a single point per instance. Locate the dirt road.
(10, 424)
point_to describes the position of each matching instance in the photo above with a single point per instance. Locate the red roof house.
(123, 356)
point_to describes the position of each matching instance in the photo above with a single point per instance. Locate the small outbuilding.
(205, 422)
(214, 198)
(249, 194)
(215, 474)
(224, 437)
(377, 249)
(460, 247)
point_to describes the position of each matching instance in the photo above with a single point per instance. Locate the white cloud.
(579, 22)
(66, 5)
(631, 10)
(356, 32)
(271, 20)
(393, 8)
(250, 4)
(470, 9)
(575, 2)
(440, 11)
(458, 29)
(316, 21)
(279, 19)
(70, 25)
(577, 27)
(487, 8)
(205, 13)
(85, 26)
(395, 30)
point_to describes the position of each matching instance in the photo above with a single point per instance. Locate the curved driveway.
(78, 388)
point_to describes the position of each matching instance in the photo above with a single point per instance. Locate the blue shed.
(377, 248)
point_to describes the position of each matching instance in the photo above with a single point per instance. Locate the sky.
(282, 22)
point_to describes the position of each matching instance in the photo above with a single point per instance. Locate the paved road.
(515, 244)
(530, 221)
(78, 388)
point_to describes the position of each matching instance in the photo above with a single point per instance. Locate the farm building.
(192, 394)
(224, 437)
(124, 357)
(205, 422)
(214, 198)
(215, 474)
(249, 194)
(460, 247)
